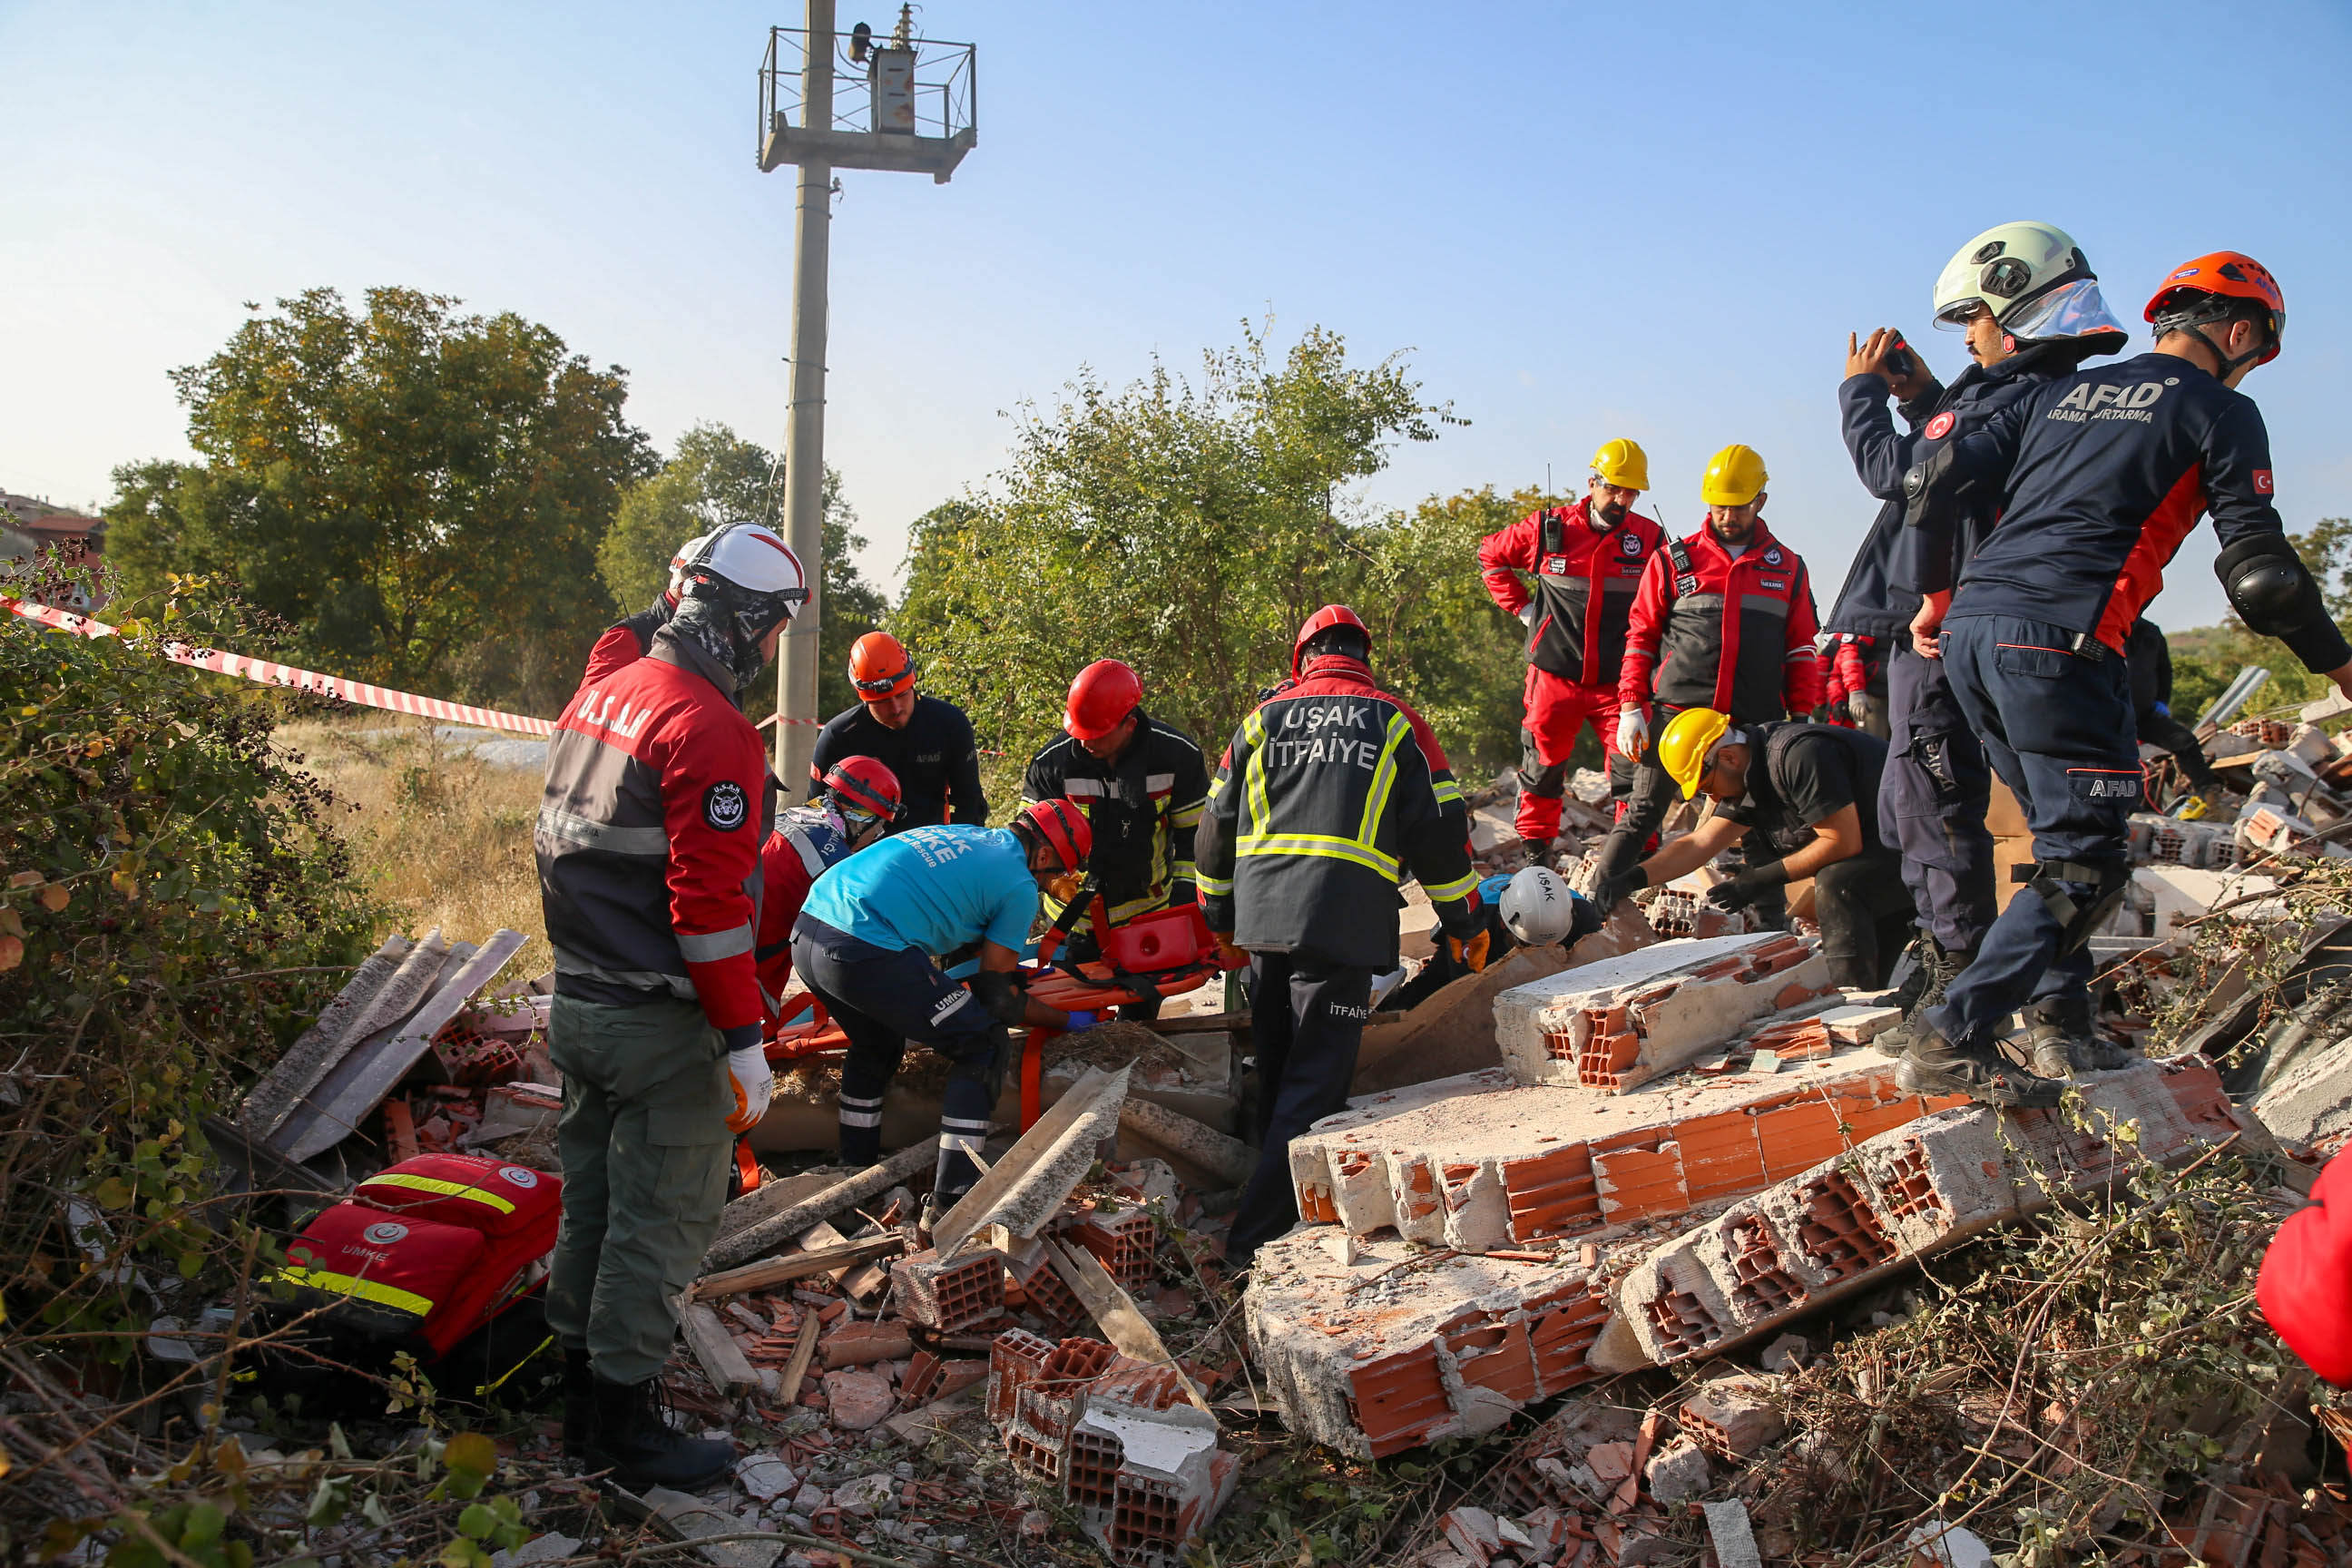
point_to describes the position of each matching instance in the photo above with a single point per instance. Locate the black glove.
(1618, 888)
(1747, 886)
(1584, 918)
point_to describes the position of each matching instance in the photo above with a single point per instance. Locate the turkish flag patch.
(2263, 483)
(1940, 426)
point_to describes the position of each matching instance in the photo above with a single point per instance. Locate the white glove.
(1528, 615)
(754, 1083)
(1632, 732)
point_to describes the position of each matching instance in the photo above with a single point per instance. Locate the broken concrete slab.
(1406, 1346)
(352, 1089)
(2179, 893)
(2309, 1107)
(1615, 1025)
(1225, 1160)
(1479, 1161)
(1027, 1186)
(781, 1219)
(1906, 1194)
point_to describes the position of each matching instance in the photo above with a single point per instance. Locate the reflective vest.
(1574, 569)
(1733, 635)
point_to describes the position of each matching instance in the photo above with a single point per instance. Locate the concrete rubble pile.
(1475, 1245)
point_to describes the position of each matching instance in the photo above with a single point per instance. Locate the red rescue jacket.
(648, 837)
(1737, 635)
(2305, 1285)
(1575, 570)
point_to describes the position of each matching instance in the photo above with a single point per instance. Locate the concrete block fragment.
(1677, 1472)
(1732, 1417)
(1617, 1023)
(948, 1293)
(1859, 1026)
(863, 1342)
(1903, 1194)
(2178, 893)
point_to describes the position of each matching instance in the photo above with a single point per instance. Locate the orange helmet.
(2203, 290)
(1101, 698)
(879, 668)
(865, 784)
(1322, 621)
(1063, 826)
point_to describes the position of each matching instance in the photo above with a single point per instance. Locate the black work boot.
(1907, 996)
(1935, 970)
(1933, 1064)
(578, 1402)
(633, 1439)
(2063, 1041)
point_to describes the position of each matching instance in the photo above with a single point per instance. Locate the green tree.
(2206, 659)
(716, 478)
(417, 493)
(1187, 527)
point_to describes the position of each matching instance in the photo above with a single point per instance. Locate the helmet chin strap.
(2228, 366)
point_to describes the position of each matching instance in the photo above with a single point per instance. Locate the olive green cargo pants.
(644, 1141)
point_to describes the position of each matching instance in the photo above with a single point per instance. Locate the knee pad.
(2077, 918)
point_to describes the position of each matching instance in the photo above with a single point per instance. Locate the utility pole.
(920, 120)
(797, 669)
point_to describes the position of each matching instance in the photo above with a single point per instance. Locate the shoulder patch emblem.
(1940, 426)
(2263, 484)
(725, 806)
(1773, 557)
(1630, 544)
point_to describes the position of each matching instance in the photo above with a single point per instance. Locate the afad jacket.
(1332, 793)
(1575, 570)
(649, 837)
(1734, 635)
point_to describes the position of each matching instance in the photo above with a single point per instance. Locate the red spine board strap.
(430, 1247)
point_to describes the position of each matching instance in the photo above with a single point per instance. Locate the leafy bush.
(174, 908)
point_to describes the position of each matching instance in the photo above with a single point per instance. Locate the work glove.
(1228, 955)
(1618, 888)
(1744, 890)
(1080, 1018)
(1526, 614)
(2164, 710)
(1869, 713)
(752, 1080)
(1632, 732)
(1471, 954)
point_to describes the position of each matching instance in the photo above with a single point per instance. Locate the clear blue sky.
(1658, 220)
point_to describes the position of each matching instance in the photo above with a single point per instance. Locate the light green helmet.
(2032, 277)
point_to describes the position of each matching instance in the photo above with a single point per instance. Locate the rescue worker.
(1331, 795)
(1856, 672)
(2150, 658)
(872, 939)
(629, 639)
(1142, 784)
(926, 741)
(1800, 800)
(2100, 475)
(2306, 1285)
(2029, 306)
(1723, 619)
(859, 804)
(1586, 560)
(648, 847)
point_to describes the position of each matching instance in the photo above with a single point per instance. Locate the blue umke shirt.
(935, 889)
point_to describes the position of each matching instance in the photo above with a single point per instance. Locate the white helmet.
(686, 553)
(2032, 276)
(1538, 907)
(747, 580)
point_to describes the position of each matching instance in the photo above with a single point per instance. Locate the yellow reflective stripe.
(1445, 787)
(1216, 886)
(435, 1185)
(1457, 889)
(1254, 733)
(351, 1285)
(1384, 771)
(1188, 815)
(1155, 899)
(1216, 786)
(1187, 871)
(1329, 846)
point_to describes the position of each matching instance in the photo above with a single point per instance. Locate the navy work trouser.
(1646, 793)
(2057, 726)
(1932, 801)
(882, 998)
(1306, 1019)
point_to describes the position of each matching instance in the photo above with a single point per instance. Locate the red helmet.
(1322, 621)
(1062, 825)
(2223, 276)
(1101, 698)
(865, 784)
(879, 668)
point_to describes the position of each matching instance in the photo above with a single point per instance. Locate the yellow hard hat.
(1690, 736)
(1734, 477)
(1623, 463)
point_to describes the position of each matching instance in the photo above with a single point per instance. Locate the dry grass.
(441, 839)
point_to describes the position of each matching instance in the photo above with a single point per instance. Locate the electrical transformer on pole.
(918, 117)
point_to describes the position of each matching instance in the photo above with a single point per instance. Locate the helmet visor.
(2070, 311)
